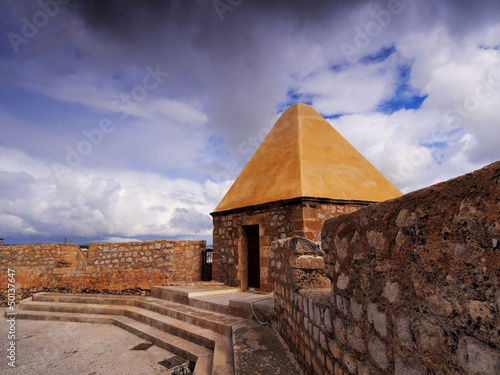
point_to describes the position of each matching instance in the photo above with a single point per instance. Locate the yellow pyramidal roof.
(304, 156)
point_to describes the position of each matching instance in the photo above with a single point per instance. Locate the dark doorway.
(253, 253)
(206, 265)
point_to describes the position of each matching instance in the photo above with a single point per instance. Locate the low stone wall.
(415, 286)
(301, 302)
(117, 268)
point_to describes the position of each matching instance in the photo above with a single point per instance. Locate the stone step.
(218, 361)
(77, 308)
(239, 305)
(182, 295)
(175, 327)
(213, 321)
(220, 344)
(174, 344)
(86, 298)
(258, 349)
(64, 317)
(221, 299)
(223, 356)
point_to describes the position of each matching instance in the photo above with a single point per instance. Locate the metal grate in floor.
(143, 346)
(172, 362)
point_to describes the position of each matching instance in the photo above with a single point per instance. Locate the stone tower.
(303, 173)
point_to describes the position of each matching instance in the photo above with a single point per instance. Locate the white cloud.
(357, 89)
(154, 175)
(93, 203)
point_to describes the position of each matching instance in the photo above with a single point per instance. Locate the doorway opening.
(253, 255)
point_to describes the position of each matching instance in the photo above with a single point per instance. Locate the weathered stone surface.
(425, 268)
(378, 353)
(402, 368)
(391, 292)
(356, 309)
(378, 319)
(477, 357)
(355, 339)
(342, 282)
(481, 310)
(415, 303)
(403, 332)
(104, 268)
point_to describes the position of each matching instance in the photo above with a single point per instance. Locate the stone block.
(391, 291)
(338, 370)
(378, 353)
(329, 365)
(429, 338)
(349, 363)
(321, 357)
(378, 319)
(322, 341)
(334, 348)
(439, 305)
(363, 368)
(376, 240)
(328, 320)
(480, 310)
(340, 330)
(356, 309)
(477, 357)
(403, 331)
(341, 247)
(342, 281)
(316, 366)
(355, 339)
(402, 368)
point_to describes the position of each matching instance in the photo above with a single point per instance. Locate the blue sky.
(130, 120)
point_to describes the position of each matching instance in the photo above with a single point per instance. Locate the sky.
(129, 120)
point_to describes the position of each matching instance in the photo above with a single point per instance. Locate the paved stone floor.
(58, 348)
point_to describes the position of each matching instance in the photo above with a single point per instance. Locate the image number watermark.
(11, 318)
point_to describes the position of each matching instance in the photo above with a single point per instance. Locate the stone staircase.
(181, 320)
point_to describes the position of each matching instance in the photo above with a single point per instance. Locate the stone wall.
(414, 285)
(302, 308)
(277, 220)
(120, 268)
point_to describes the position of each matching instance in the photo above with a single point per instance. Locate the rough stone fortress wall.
(415, 285)
(125, 268)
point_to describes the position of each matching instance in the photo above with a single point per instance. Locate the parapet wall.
(124, 268)
(415, 286)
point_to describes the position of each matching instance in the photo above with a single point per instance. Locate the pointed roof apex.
(304, 156)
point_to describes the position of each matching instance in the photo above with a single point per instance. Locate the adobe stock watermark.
(484, 91)
(31, 26)
(123, 106)
(224, 6)
(454, 117)
(379, 21)
(232, 168)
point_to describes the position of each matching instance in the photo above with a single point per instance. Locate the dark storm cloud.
(125, 16)
(244, 62)
(128, 19)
